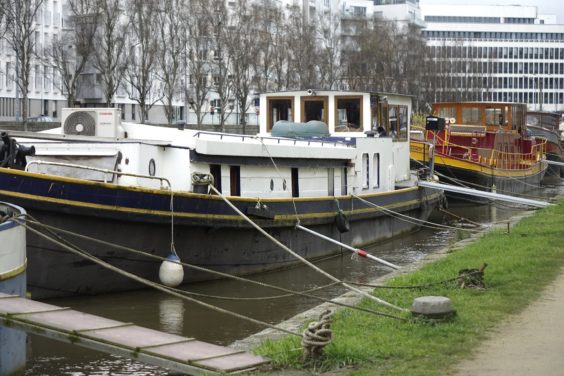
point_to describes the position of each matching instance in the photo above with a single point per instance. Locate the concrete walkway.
(530, 343)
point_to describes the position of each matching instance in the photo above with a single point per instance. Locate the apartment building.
(45, 97)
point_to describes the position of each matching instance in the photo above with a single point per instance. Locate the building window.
(37, 78)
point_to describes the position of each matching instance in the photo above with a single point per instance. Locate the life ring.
(474, 140)
(342, 222)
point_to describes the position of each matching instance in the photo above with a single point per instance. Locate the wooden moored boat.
(484, 146)
(127, 183)
(545, 125)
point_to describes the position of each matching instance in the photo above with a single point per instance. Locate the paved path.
(530, 343)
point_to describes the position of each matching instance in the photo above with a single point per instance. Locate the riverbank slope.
(520, 264)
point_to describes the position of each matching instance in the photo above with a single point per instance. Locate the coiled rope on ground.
(316, 336)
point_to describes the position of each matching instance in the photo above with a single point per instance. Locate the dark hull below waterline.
(487, 182)
(207, 232)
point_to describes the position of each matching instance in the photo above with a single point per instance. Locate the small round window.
(271, 184)
(152, 167)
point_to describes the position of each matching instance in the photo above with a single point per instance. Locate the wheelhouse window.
(314, 108)
(279, 109)
(349, 114)
(494, 116)
(398, 122)
(471, 116)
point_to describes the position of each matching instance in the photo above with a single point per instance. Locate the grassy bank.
(520, 264)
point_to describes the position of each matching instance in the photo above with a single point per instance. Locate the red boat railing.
(491, 157)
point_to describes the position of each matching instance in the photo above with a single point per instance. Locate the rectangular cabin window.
(279, 109)
(447, 112)
(235, 180)
(394, 121)
(344, 181)
(215, 172)
(331, 182)
(365, 171)
(403, 123)
(314, 108)
(295, 183)
(349, 114)
(376, 167)
(471, 115)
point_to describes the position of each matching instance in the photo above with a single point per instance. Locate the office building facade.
(497, 53)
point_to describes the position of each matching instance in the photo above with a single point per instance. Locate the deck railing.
(494, 158)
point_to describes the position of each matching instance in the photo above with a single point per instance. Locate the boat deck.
(177, 353)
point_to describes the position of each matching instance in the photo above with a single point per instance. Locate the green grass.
(520, 264)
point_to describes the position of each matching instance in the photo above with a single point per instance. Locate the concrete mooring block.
(433, 307)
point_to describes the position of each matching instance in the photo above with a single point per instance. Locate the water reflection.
(159, 311)
(171, 315)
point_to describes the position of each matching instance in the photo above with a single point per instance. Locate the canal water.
(159, 311)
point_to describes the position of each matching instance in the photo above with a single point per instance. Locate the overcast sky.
(544, 6)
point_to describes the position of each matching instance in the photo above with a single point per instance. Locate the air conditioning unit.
(101, 122)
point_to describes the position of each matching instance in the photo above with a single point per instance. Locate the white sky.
(544, 6)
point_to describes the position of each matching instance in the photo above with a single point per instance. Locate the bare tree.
(172, 39)
(280, 63)
(143, 51)
(20, 27)
(109, 59)
(329, 50)
(267, 27)
(199, 68)
(71, 50)
(243, 54)
(216, 16)
(302, 51)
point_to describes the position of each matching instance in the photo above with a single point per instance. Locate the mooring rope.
(303, 260)
(152, 284)
(412, 220)
(211, 271)
(278, 173)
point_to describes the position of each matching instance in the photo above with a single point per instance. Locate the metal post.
(358, 251)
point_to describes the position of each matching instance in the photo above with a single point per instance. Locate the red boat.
(482, 145)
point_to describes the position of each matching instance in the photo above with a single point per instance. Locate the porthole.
(284, 184)
(271, 184)
(152, 167)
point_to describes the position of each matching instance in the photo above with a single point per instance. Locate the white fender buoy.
(171, 273)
